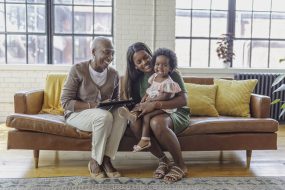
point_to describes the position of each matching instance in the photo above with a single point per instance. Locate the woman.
(87, 84)
(163, 126)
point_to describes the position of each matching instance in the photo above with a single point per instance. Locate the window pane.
(198, 4)
(36, 18)
(276, 53)
(183, 4)
(83, 19)
(243, 24)
(82, 48)
(214, 59)
(201, 23)
(199, 54)
(259, 57)
(16, 49)
(63, 2)
(242, 54)
(261, 5)
(182, 49)
(277, 5)
(16, 1)
(183, 24)
(36, 1)
(62, 50)
(244, 5)
(2, 49)
(83, 2)
(16, 18)
(260, 25)
(103, 20)
(219, 23)
(103, 2)
(37, 49)
(2, 20)
(63, 19)
(220, 4)
(278, 25)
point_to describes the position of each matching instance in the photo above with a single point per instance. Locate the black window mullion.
(269, 36)
(231, 25)
(27, 52)
(49, 30)
(210, 30)
(191, 21)
(251, 28)
(72, 33)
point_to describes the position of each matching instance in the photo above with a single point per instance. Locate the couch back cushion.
(201, 99)
(233, 96)
(52, 93)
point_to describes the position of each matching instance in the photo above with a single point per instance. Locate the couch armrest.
(28, 102)
(260, 106)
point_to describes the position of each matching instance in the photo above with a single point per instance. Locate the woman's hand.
(146, 107)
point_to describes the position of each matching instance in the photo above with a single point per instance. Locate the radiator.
(263, 87)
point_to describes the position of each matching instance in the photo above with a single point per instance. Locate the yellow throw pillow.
(52, 93)
(233, 96)
(201, 99)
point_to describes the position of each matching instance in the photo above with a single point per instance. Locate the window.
(54, 32)
(257, 26)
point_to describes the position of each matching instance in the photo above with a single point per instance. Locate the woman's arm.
(178, 101)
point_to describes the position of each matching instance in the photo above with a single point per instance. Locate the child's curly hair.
(171, 55)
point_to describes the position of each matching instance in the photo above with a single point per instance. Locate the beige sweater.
(79, 86)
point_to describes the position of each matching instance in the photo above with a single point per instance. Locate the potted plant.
(225, 50)
(280, 88)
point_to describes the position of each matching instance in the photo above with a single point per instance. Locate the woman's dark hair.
(132, 73)
(167, 53)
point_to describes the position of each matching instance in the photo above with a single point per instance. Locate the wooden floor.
(20, 164)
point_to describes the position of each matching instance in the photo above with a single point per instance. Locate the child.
(162, 87)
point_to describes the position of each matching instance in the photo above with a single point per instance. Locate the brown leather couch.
(37, 132)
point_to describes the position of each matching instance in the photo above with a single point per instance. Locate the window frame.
(49, 30)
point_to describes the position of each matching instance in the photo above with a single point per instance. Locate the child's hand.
(146, 107)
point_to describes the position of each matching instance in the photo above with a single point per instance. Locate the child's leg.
(145, 139)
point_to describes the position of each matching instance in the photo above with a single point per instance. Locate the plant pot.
(226, 65)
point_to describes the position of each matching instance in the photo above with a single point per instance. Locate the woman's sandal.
(98, 175)
(161, 170)
(175, 174)
(138, 148)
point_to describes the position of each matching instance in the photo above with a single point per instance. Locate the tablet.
(116, 102)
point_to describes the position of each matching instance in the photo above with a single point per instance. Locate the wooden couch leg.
(248, 157)
(36, 158)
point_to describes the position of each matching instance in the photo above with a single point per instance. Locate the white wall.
(149, 21)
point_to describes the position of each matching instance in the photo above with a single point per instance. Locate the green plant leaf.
(281, 88)
(281, 60)
(282, 113)
(278, 79)
(283, 106)
(275, 101)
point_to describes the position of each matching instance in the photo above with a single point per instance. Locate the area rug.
(216, 183)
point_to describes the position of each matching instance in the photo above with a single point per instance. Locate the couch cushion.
(46, 123)
(223, 124)
(201, 99)
(52, 93)
(233, 97)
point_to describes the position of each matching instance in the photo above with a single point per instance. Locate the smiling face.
(103, 53)
(162, 67)
(142, 60)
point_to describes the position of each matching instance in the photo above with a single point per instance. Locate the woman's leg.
(155, 149)
(162, 128)
(99, 122)
(117, 131)
(145, 140)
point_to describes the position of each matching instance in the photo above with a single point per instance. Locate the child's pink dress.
(168, 86)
